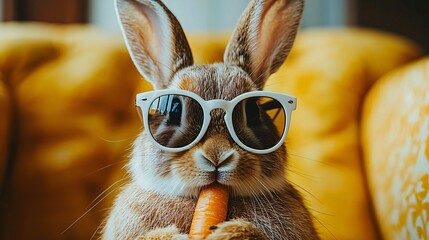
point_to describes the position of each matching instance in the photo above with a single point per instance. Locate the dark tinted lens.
(175, 120)
(259, 122)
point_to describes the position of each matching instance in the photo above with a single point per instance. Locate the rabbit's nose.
(226, 158)
(216, 154)
(226, 161)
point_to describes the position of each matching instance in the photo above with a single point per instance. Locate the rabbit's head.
(159, 49)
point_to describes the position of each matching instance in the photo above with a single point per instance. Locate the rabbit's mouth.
(242, 176)
(246, 188)
(218, 166)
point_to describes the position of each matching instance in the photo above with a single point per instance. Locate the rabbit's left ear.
(264, 37)
(155, 40)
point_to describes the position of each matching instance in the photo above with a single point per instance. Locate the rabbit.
(159, 200)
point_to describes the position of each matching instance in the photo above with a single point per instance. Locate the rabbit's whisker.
(107, 166)
(94, 205)
(301, 173)
(106, 190)
(325, 227)
(305, 191)
(117, 141)
(99, 228)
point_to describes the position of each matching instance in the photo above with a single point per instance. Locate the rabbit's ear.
(155, 40)
(264, 37)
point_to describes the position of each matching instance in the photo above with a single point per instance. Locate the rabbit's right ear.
(155, 40)
(264, 36)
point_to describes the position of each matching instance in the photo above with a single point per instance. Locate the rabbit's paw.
(236, 229)
(167, 233)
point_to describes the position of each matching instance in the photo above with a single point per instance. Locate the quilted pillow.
(395, 136)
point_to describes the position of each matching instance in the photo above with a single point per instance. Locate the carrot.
(211, 209)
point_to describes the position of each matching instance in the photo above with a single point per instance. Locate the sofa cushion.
(395, 136)
(330, 72)
(74, 88)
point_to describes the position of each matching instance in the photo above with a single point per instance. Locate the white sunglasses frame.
(144, 101)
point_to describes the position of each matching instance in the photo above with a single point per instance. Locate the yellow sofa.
(68, 121)
(395, 139)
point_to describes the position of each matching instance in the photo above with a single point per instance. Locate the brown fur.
(278, 215)
(160, 200)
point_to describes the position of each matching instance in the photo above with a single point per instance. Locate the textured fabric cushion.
(395, 135)
(330, 71)
(74, 89)
(5, 118)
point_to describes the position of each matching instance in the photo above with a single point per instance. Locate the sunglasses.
(176, 120)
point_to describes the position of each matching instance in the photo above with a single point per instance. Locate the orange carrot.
(211, 209)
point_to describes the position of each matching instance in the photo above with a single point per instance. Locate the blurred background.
(67, 117)
(408, 18)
